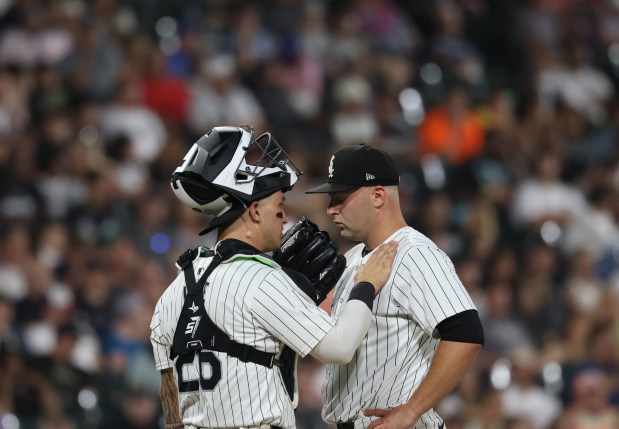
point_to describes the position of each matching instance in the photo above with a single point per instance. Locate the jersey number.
(205, 377)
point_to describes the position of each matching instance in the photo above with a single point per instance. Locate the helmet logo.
(331, 167)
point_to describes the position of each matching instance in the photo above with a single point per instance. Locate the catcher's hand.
(310, 251)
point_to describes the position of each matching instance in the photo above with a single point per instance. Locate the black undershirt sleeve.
(364, 292)
(464, 327)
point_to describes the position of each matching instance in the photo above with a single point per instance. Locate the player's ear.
(254, 212)
(378, 196)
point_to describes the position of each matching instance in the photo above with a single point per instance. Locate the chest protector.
(195, 329)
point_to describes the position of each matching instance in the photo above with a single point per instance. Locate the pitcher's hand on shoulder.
(377, 268)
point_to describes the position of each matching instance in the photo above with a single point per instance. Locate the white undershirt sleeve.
(339, 344)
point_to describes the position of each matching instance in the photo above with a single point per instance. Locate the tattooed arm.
(169, 400)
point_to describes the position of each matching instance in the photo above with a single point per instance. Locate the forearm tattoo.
(169, 397)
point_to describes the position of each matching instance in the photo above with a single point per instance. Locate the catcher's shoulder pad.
(263, 259)
(190, 255)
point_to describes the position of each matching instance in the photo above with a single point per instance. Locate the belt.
(351, 425)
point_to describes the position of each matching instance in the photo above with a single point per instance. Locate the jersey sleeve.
(159, 341)
(288, 314)
(163, 324)
(427, 287)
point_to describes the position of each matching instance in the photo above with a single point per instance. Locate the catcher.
(227, 331)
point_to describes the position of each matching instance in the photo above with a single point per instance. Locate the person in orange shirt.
(451, 130)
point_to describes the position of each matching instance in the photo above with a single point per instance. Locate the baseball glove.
(307, 250)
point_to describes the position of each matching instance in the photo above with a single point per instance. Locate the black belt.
(351, 425)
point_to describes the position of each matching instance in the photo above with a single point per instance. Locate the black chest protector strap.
(195, 329)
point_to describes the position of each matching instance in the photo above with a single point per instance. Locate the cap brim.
(329, 188)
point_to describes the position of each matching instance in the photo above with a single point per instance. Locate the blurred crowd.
(503, 117)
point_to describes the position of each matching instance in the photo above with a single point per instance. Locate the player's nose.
(332, 210)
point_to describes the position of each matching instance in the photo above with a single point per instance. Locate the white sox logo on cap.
(359, 165)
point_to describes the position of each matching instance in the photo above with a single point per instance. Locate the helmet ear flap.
(202, 191)
(198, 194)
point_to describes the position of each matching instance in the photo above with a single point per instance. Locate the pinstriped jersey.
(255, 303)
(392, 360)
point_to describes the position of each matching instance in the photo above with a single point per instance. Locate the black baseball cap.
(357, 166)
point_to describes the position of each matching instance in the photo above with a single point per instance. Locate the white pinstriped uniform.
(394, 357)
(255, 304)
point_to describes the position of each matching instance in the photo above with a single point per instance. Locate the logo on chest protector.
(192, 326)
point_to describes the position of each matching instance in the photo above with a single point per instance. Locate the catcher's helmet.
(227, 168)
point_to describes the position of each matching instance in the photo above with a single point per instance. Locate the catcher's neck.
(243, 232)
(239, 235)
(248, 232)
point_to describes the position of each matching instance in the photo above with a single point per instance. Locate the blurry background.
(502, 115)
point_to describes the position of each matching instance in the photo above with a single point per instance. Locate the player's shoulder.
(414, 246)
(203, 255)
(196, 256)
(172, 292)
(261, 268)
(410, 238)
(259, 260)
